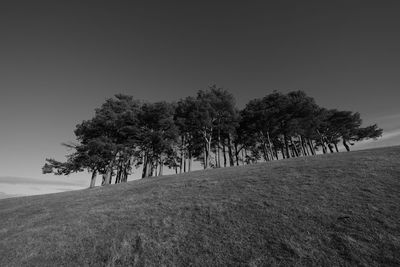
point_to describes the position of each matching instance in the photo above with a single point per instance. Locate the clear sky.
(59, 60)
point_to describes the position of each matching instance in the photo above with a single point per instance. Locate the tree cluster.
(126, 133)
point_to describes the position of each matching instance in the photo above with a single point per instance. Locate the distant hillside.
(22, 186)
(24, 180)
(4, 195)
(334, 209)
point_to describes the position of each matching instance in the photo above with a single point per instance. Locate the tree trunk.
(303, 147)
(330, 147)
(218, 161)
(321, 139)
(270, 146)
(155, 168)
(276, 153)
(346, 145)
(208, 154)
(283, 152)
(307, 150)
(236, 154)
(119, 172)
(93, 179)
(296, 151)
(118, 176)
(264, 150)
(324, 148)
(144, 171)
(161, 168)
(190, 161)
(224, 153)
(126, 168)
(336, 147)
(111, 176)
(107, 176)
(311, 146)
(216, 165)
(230, 153)
(205, 158)
(103, 179)
(292, 155)
(286, 146)
(182, 154)
(149, 168)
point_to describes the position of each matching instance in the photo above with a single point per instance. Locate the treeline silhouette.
(126, 133)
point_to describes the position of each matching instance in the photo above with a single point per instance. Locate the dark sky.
(59, 60)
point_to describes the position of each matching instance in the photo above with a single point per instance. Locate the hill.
(335, 209)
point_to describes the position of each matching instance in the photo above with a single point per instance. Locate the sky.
(59, 60)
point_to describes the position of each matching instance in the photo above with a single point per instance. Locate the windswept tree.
(104, 141)
(347, 126)
(93, 156)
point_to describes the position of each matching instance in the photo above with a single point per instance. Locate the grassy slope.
(339, 209)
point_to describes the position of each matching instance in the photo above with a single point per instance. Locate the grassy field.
(337, 209)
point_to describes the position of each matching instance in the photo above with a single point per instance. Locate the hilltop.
(333, 209)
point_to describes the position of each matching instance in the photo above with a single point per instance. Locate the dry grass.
(339, 209)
